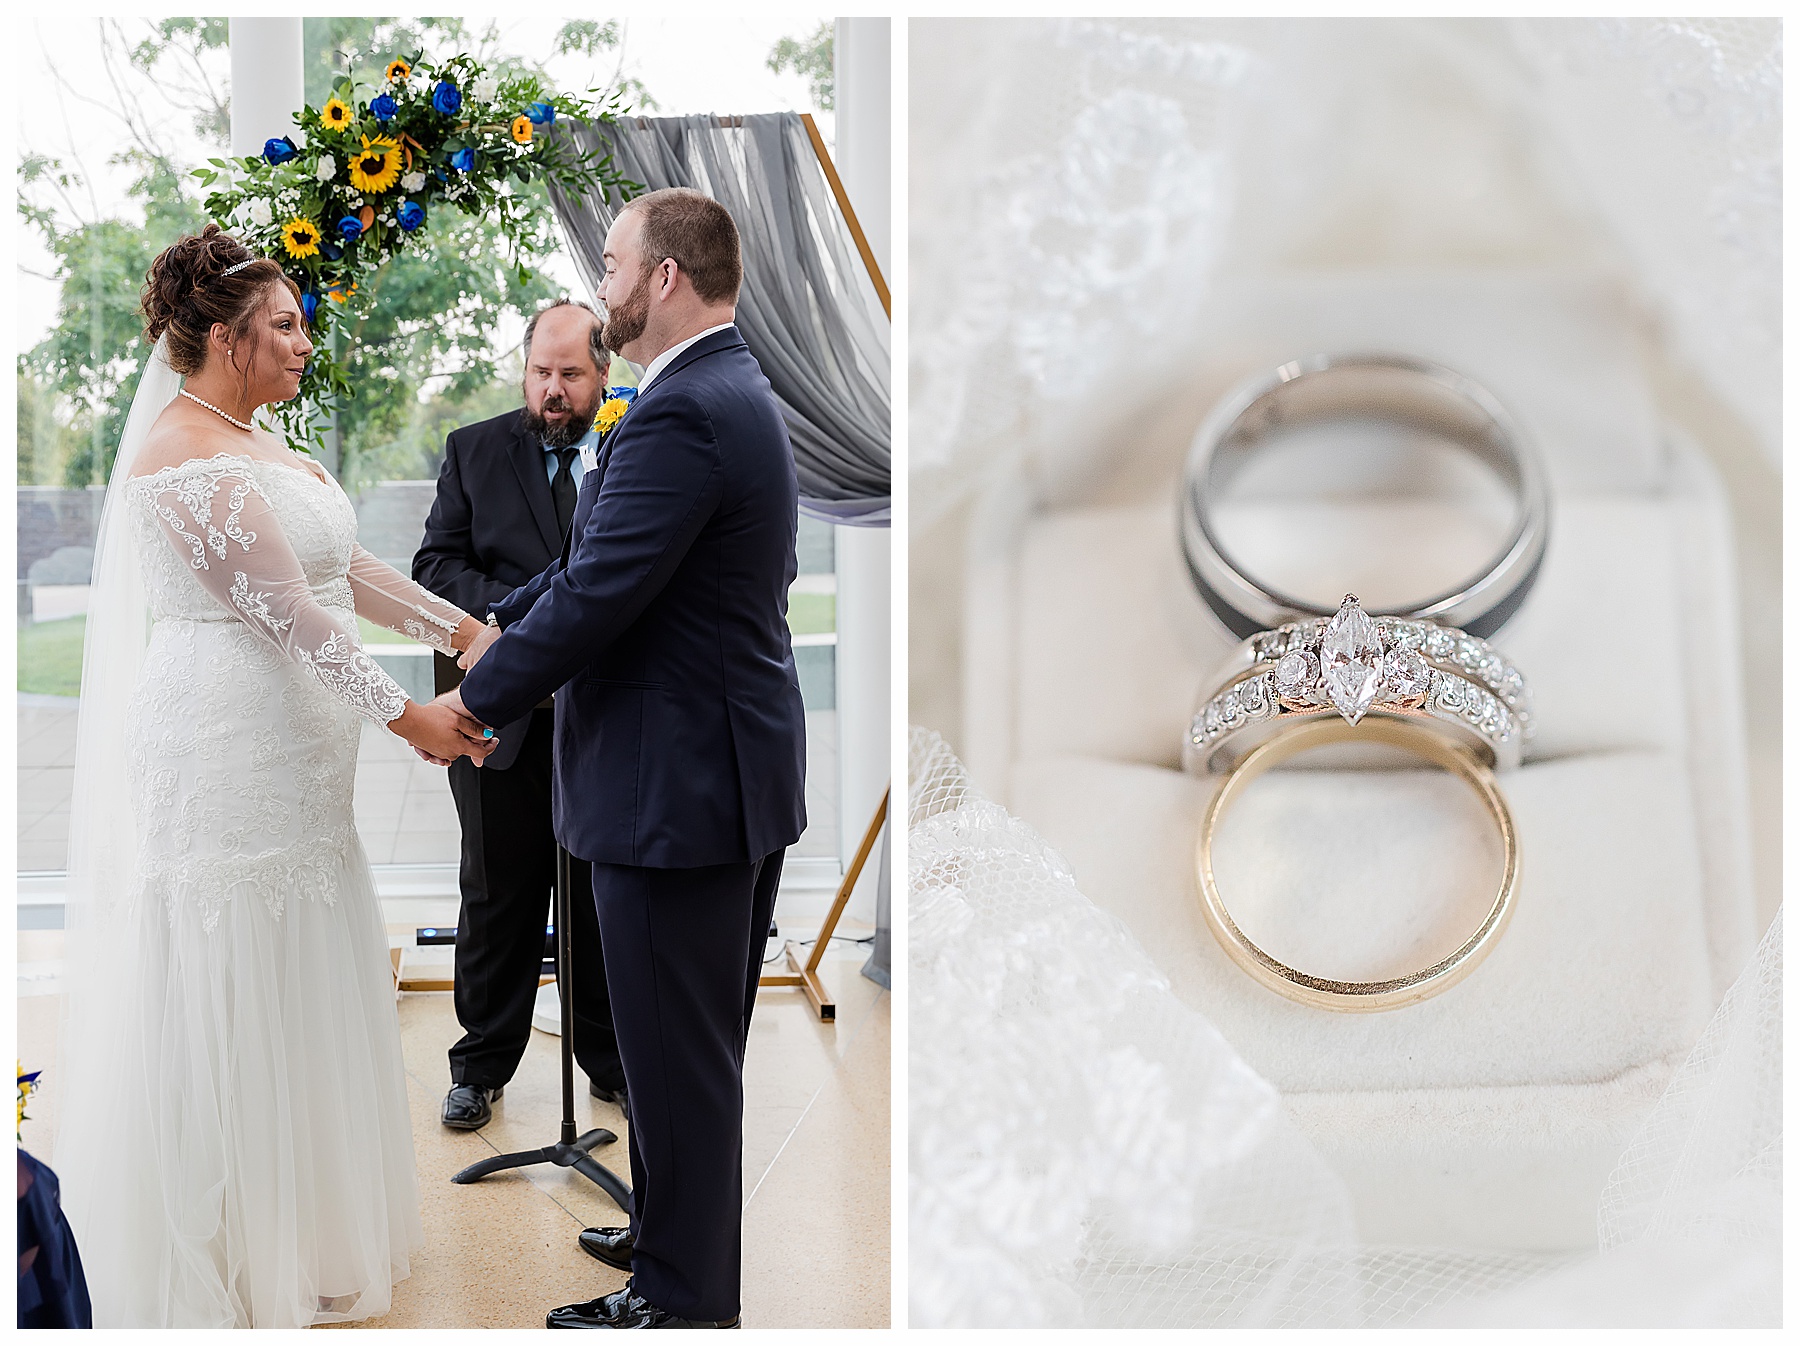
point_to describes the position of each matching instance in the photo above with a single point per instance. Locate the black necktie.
(562, 487)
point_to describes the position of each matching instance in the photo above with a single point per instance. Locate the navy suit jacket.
(680, 737)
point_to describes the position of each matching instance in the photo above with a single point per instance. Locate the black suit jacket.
(491, 528)
(680, 736)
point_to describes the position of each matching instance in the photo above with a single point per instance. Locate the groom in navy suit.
(680, 738)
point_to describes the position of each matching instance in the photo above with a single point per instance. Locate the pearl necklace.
(242, 425)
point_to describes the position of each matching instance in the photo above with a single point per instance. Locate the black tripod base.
(563, 1155)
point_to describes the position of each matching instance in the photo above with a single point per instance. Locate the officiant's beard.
(559, 436)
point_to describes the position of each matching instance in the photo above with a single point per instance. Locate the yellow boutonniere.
(610, 412)
(27, 1087)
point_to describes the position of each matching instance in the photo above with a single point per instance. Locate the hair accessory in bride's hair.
(239, 267)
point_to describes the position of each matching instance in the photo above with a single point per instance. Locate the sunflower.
(611, 412)
(521, 130)
(398, 72)
(334, 114)
(376, 166)
(300, 237)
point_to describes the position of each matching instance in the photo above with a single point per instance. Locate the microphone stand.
(571, 1151)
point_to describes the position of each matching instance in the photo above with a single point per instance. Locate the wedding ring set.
(1422, 678)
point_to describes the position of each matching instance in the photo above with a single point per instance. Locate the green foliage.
(92, 357)
(45, 443)
(417, 353)
(185, 40)
(483, 154)
(811, 58)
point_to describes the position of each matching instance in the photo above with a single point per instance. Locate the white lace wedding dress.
(243, 1153)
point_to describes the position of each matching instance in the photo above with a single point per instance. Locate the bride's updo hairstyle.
(187, 291)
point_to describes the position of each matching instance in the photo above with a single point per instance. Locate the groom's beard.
(626, 320)
(559, 436)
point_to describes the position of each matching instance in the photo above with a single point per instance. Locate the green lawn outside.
(50, 652)
(380, 635)
(50, 656)
(812, 614)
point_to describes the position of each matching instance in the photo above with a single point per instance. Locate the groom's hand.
(477, 647)
(443, 731)
(471, 728)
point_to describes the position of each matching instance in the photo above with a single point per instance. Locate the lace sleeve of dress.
(388, 598)
(216, 517)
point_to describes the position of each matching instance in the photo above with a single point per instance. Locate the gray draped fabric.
(808, 310)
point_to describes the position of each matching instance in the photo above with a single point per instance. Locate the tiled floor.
(501, 1252)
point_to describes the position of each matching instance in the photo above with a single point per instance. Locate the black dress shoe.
(607, 1095)
(620, 1310)
(467, 1107)
(611, 1246)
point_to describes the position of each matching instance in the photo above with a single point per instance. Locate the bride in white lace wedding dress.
(235, 1147)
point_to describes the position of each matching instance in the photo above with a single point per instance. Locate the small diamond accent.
(1405, 678)
(1295, 674)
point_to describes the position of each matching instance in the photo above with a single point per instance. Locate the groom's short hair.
(699, 234)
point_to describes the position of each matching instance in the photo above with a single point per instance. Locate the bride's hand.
(443, 730)
(478, 647)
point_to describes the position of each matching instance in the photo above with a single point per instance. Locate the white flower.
(485, 88)
(258, 213)
(327, 169)
(413, 181)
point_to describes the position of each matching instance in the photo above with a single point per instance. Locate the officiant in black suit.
(505, 498)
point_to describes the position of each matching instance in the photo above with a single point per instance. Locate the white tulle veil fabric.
(102, 839)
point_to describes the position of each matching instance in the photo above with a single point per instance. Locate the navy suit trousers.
(683, 951)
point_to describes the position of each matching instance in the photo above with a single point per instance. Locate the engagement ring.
(1353, 665)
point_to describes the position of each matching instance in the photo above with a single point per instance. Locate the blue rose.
(309, 304)
(446, 98)
(384, 107)
(350, 228)
(463, 160)
(411, 216)
(279, 150)
(625, 391)
(330, 250)
(541, 114)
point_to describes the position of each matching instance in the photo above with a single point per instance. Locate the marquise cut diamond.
(1350, 659)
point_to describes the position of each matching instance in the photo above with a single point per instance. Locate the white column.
(267, 87)
(861, 54)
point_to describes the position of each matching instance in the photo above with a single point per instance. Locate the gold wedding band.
(1359, 996)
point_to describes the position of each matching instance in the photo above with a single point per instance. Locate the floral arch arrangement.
(362, 177)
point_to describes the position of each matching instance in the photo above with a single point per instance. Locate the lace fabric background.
(1078, 189)
(1086, 1150)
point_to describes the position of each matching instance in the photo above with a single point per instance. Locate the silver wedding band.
(1391, 388)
